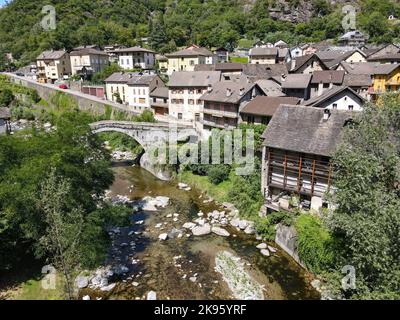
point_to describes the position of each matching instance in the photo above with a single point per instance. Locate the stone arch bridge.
(145, 133)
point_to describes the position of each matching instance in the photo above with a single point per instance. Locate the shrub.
(265, 228)
(218, 173)
(315, 244)
(6, 97)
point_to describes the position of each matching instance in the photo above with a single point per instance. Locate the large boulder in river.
(220, 231)
(189, 225)
(151, 295)
(235, 222)
(243, 224)
(82, 282)
(201, 230)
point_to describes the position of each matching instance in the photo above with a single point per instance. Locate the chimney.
(209, 88)
(228, 92)
(327, 114)
(130, 76)
(283, 77)
(241, 91)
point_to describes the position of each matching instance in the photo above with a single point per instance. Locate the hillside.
(170, 24)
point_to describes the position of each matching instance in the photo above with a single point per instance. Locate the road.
(75, 93)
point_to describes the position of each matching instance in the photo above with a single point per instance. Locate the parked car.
(63, 86)
(20, 74)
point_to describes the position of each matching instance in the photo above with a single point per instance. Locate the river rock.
(243, 224)
(121, 269)
(189, 225)
(163, 236)
(82, 282)
(174, 233)
(135, 284)
(272, 249)
(265, 252)
(220, 231)
(109, 287)
(182, 185)
(262, 246)
(201, 230)
(151, 295)
(86, 298)
(235, 222)
(250, 229)
(193, 279)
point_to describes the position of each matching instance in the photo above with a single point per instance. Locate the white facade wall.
(139, 97)
(191, 104)
(343, 101)
(129, 61)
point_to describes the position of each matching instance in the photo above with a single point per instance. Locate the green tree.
(64, 225)
(367, 217)
(6, 97)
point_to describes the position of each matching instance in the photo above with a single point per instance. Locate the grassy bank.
(218, 192)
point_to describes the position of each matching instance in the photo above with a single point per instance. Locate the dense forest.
(168, 24)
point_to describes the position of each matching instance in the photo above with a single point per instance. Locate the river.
(183, 268)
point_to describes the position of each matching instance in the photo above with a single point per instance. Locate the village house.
(52, 66)
(307, 64)
(385, 51)
(88, 61)
(354, 38)
(337, 98)
(296, 161)
(261, 109)
(360, 83)
(185, 91)
(162, 63)
(132, 89)
(5, 117)
(135, 57)
(386, 78)
(187, 59)
(222, 55)
(262, 55)
(322, 81)
(159, 100)
(109, 49)
(223, 102)
(295, 85)
(333, 58)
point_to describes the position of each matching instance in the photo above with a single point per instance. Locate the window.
(334, 106)
(250, 119)
(142, 100)
(180, 116)
(197, 117)
(351, 107)
(199, 91)
(191, 101)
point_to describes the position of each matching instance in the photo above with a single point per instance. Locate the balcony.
(217, 125)
(219, 113)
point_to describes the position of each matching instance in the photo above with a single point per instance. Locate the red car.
(63, 86)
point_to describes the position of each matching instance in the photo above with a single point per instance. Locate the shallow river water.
(167, 266)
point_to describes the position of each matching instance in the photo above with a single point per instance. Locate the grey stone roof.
(88, 51)
(328, 76)
(51, 55)
(190, 52)
(267, 106)
(296, 81)
(301, 61)
(219, 92)
(141, 80)
(263, 71)
(133, 49)
(194, 78)
(302, 129)
(160, 92)
(259, 51)
(270, 88)
(357, 80)
(122, 77)
(359, 67)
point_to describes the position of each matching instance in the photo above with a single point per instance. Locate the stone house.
(296, 160)
(135, 57)
(88, 61)
(185, 90)
(53, 65)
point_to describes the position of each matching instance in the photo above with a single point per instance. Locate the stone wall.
(286, 237)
